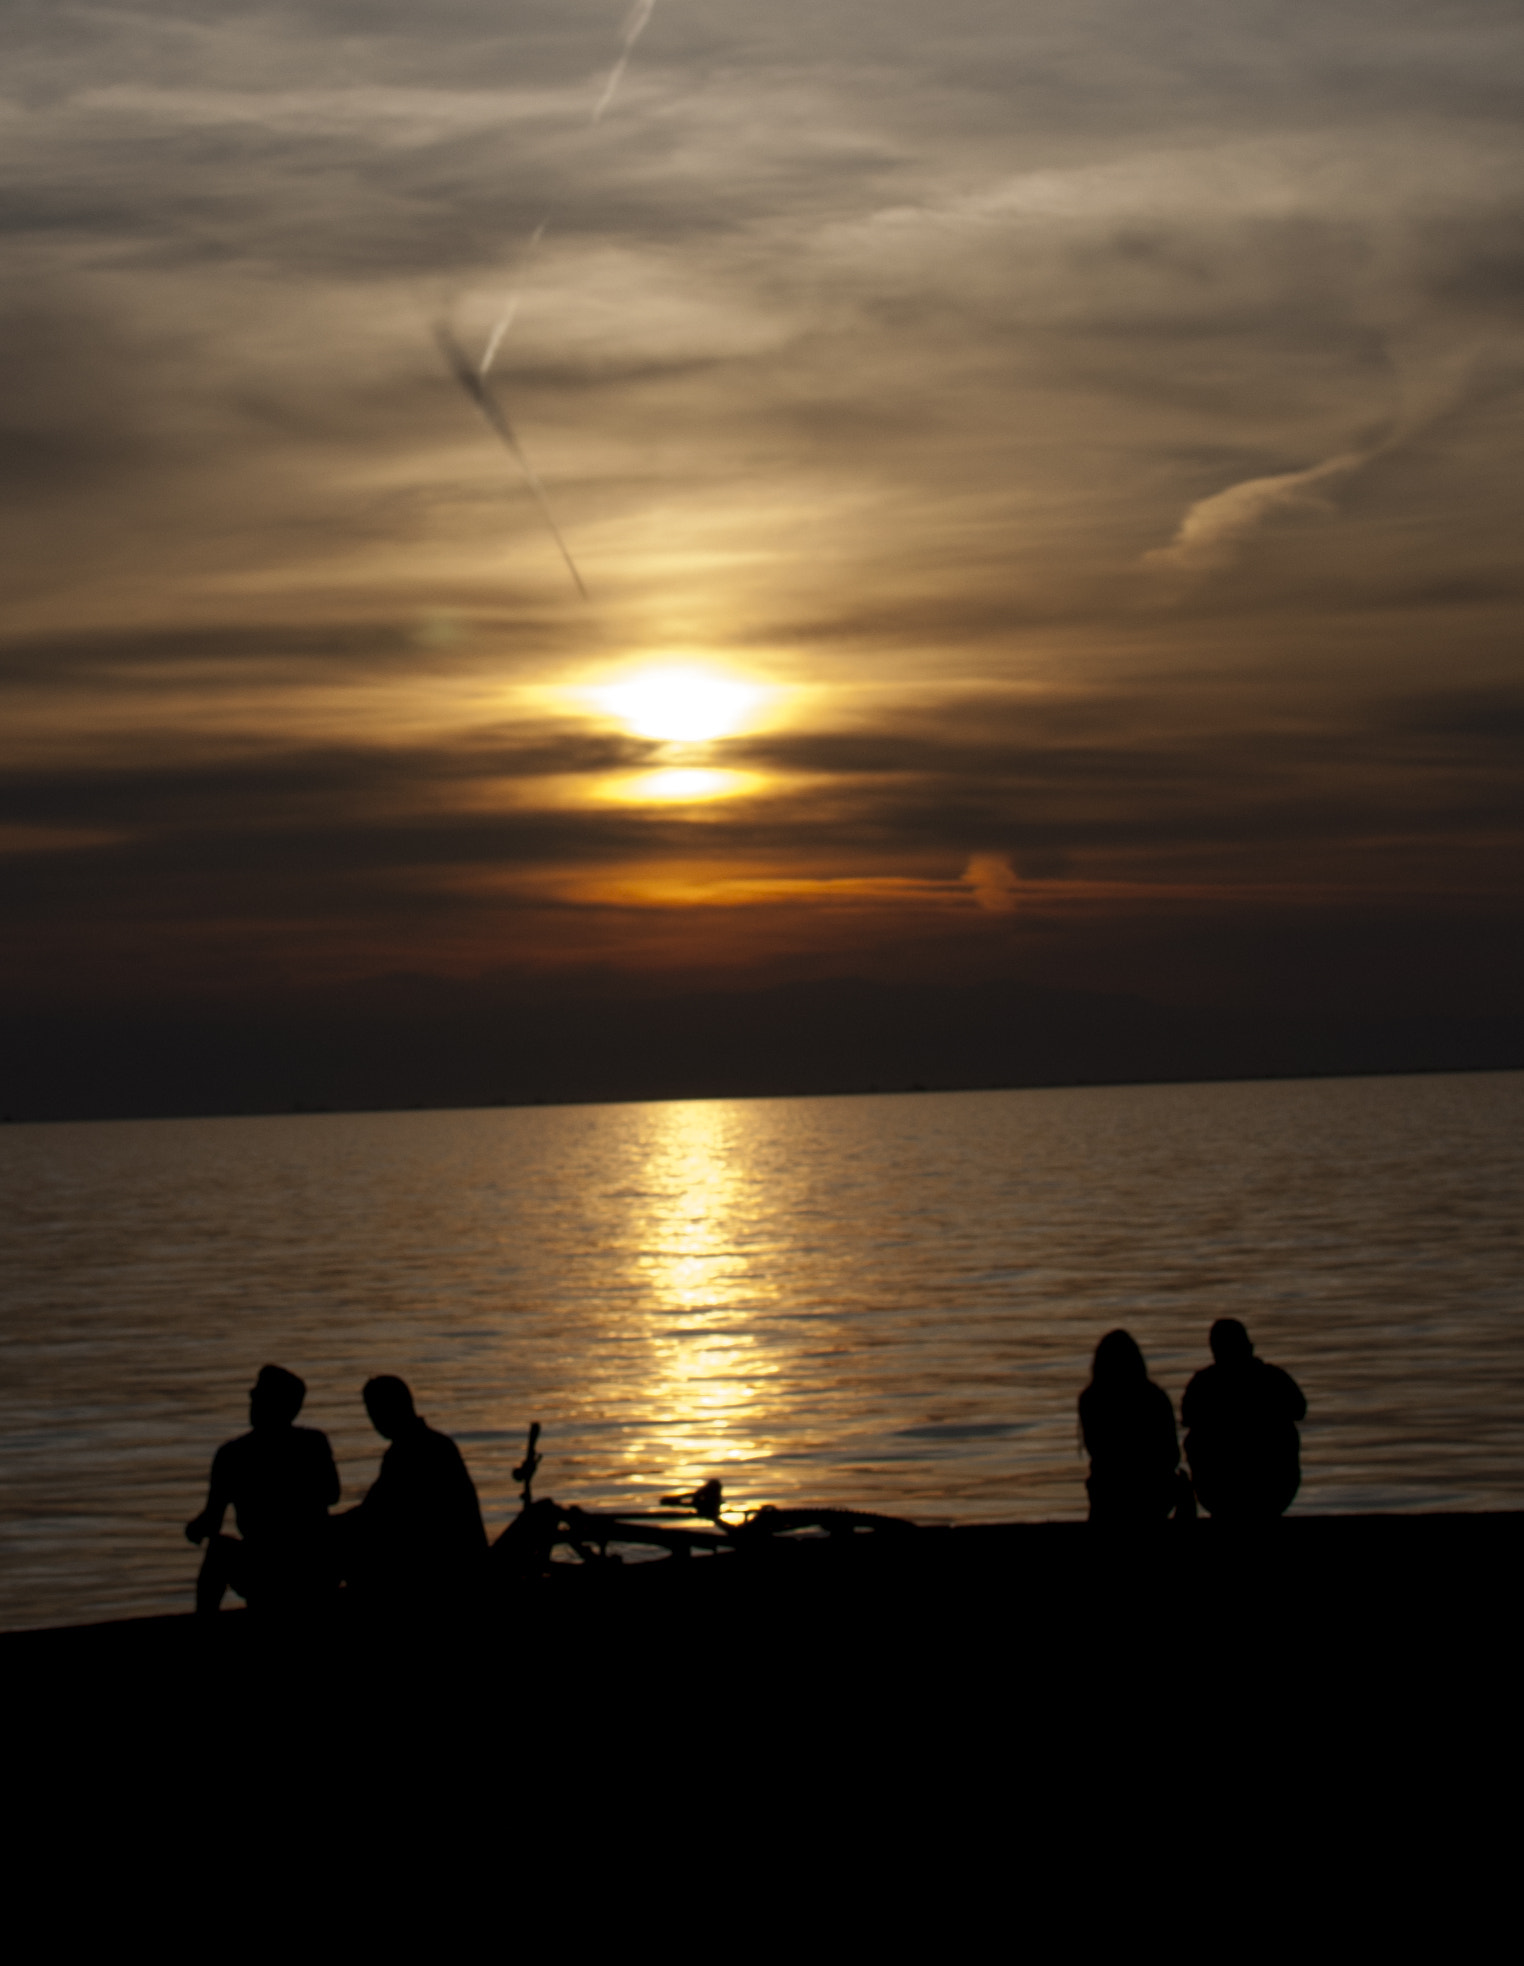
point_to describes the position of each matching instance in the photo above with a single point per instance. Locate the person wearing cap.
(1241, 1415)
(280, 1481)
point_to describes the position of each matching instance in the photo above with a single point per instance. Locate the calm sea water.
(885, 1302)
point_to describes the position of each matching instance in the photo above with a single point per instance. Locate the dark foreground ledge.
(1047, 1665)
(1039, 1583)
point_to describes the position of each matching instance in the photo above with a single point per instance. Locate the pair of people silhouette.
(1242, 1445)
(416, 1539)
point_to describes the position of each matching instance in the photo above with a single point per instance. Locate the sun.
(678, 787)
(682, 704)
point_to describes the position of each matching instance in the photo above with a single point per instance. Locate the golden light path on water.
(706, 1366)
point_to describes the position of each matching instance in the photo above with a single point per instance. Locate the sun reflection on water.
(706, 1367)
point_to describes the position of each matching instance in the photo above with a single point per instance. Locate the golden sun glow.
(676, 787)
(683, 704)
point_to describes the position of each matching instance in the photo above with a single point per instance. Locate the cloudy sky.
(1045, 477)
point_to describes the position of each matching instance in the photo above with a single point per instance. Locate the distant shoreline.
(302, 1111)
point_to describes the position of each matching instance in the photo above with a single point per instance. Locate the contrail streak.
(634, 27)
(472, 377)
(504, 321)
(636, 22)
(474, 382)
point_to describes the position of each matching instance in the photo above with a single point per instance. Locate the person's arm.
(209, 1522)
(328, 1474)
(380, 1500)
(1164, 1427)
(467, 1501)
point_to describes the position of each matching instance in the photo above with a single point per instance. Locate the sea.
(883, 1302)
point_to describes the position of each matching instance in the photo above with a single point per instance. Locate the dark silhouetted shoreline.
(1407, 1576)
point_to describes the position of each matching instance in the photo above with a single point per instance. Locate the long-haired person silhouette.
(280, 1481)
(1128, 1426)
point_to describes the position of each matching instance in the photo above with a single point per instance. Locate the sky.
(1021, 512)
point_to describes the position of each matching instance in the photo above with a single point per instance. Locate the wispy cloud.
(993, 884)
(1213, 530)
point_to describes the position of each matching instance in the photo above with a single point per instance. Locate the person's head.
(1231, 1344)
(275, 1398)
(390, 1406)
(1118, 1362)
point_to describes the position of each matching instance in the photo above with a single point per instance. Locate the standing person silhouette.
(280, 1481)
(417, 1538)
(1242, 1443)
(1128, 1426)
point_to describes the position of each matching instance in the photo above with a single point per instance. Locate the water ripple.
(885, 1303)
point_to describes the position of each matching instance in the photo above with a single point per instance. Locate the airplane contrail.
(472, 376)
(634, 27)
(636, 22)
(504, 321)
(474, 382)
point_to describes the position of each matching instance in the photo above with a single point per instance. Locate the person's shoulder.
(1281, 1381)
(439, 1445)
(239, 1448)
(313, 1439)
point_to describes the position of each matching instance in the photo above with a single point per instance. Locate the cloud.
(867, 347)
(1212, 531)
(995, 887)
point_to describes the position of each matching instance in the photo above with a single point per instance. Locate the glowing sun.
(682, 705)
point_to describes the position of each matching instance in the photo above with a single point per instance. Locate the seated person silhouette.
(417, 1539)
(280, 1480)
(1242, 1443)
(1128, 1426)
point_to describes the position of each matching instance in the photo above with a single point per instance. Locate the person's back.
(1128, 1427)
(280, 1481)
(418, 1534)
(1241, 1415)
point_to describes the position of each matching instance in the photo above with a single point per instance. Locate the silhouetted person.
(1129, 1430)
(417, 1538)
(1242, 1441)
(280, 1481)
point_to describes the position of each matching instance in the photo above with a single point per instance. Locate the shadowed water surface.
(883, 1302)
